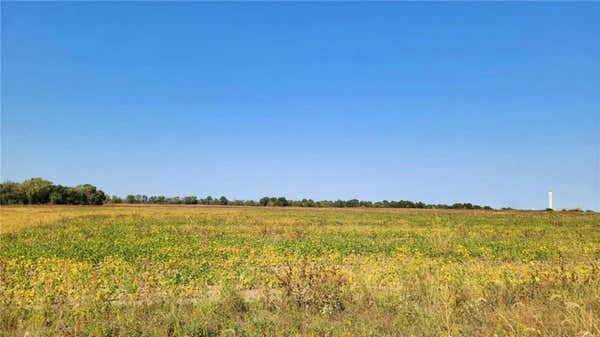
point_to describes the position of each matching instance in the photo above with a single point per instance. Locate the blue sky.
(492, 103)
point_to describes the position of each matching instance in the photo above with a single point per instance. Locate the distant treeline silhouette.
(40, 191)
(283, 202)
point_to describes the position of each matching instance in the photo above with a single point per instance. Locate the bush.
(313, 287)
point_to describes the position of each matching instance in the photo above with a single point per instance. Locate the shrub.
(313, 287)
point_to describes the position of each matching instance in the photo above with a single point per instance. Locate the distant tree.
(141, 199)
(157, 199)
(58, 195)
(37, 190)
(115, 199)
(264, 201)
(90, 195)
(307, 203)
(12, 193)
(223, 201)
(130, 199)
(281, 202)
(353, 203)
(250, 203)
(208, 200)
(339, 203)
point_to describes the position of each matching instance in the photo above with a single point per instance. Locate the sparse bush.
(313, 286)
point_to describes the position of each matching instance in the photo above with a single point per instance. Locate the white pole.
(550, 199)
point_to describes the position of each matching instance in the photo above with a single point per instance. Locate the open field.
(209, 271)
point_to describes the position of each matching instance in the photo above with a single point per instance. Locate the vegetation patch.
(230, 271)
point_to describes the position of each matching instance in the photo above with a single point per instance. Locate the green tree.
(263, 201)
(11, 193)
(281, 201)
(115, 199)
(223, 201)
(57, 195)
(37, 190)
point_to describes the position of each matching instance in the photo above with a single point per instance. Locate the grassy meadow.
(228, 271)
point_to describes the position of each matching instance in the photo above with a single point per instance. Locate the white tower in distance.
(550, 199)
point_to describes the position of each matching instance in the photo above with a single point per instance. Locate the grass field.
(208, 271)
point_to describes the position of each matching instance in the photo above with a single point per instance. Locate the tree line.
(40, 191)
(284, 202)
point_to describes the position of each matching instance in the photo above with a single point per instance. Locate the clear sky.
(492, 103)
